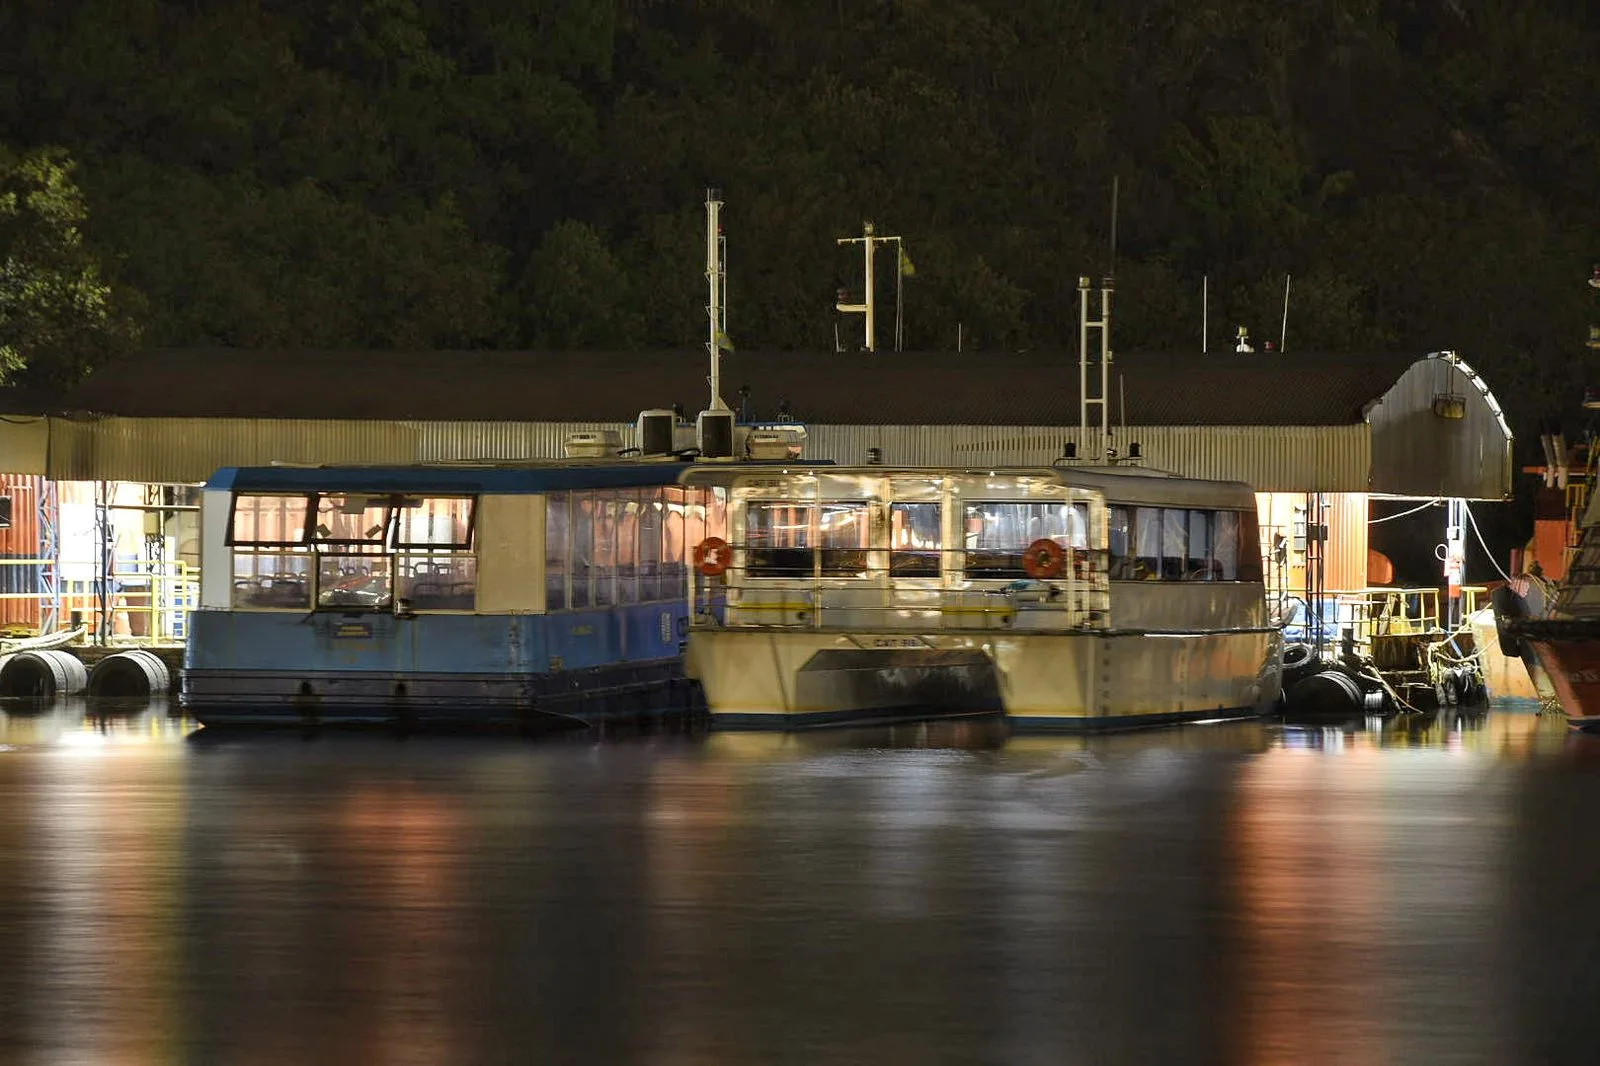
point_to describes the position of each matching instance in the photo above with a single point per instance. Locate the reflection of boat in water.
(1062, 597)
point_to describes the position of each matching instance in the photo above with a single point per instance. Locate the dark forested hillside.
(418, 173)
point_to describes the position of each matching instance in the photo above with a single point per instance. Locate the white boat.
(1067, 597)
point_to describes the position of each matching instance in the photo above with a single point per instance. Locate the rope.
(1436, 501)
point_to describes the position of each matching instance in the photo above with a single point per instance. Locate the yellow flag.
(907, 269)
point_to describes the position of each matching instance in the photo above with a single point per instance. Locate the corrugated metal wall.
(168, 450)
(1269, 458)
(1421, 454)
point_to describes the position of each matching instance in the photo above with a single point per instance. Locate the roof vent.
(654, 431)
(592, 444)
(714, 434)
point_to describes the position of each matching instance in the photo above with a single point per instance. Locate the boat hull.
(1066, 681)
(1570, 656)
(435, 672)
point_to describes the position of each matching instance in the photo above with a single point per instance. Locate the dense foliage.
(423, 173)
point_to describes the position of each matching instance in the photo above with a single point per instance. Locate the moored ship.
(1061, 597)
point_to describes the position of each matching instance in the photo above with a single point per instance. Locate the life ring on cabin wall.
(712, 556)
(1043, 559)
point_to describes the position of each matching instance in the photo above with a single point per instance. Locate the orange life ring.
(1043, 559)
(712, 556)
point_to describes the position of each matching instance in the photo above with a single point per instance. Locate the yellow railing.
(141, 605)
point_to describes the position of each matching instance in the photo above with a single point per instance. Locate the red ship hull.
(1573, 663)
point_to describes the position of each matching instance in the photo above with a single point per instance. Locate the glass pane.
(777, 535)
(1249, 547)
(439, 582)
(272, 579)
(842, 530)
(915, 532)
(351, 519)
(606, 527)
(582, 549)
(1117, 535)
(1198, 562)
(1146, 543)
(354, 580)
(434, 522)
(651, 587)
(555, 551)
(1174, 532)
(997, 533)
(269, 519)
(1225, 553)
(674, 549)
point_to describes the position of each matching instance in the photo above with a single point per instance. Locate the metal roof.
(846, 388)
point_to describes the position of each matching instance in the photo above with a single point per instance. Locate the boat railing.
(872, 589)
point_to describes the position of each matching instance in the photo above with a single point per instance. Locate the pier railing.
(147, 603)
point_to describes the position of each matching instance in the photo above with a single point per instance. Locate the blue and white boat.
(446, 595)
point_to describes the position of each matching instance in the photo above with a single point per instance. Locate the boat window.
(438, 582)
(358, 579)
(606, 507)
(268, 579)
(269, 521)
(1146, 544)
(351, 518)
(915, 533)
(777, 536)
(1198, 563)
(998, 533)
(1225, 551)
(434, 522)
(557, 551)
(1118, 527)
(1174, 534)
(842, 539)
(651, 584)
(582, 559)
(1249, 547)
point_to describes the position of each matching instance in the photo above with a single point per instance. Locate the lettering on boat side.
(889, 642)
(1584, 677)
(582, 631)
(353, 631)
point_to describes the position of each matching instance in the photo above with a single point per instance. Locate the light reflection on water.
(1256, 892)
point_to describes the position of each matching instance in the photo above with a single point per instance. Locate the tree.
(58, 315)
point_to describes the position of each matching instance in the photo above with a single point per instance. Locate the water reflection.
(1253, 892)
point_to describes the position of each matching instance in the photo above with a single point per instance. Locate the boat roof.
(465, 478)
(1119, 484)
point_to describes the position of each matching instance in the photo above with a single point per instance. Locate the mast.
(867, 307)
(1098, 397)
(716, 304)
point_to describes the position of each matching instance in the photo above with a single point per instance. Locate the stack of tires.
(1317, 688)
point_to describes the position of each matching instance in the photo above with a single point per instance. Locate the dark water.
(1240, 893)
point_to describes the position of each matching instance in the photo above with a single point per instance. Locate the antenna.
(1205, 312)
(1283, 333)
(716, 283)
(1112, 269)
